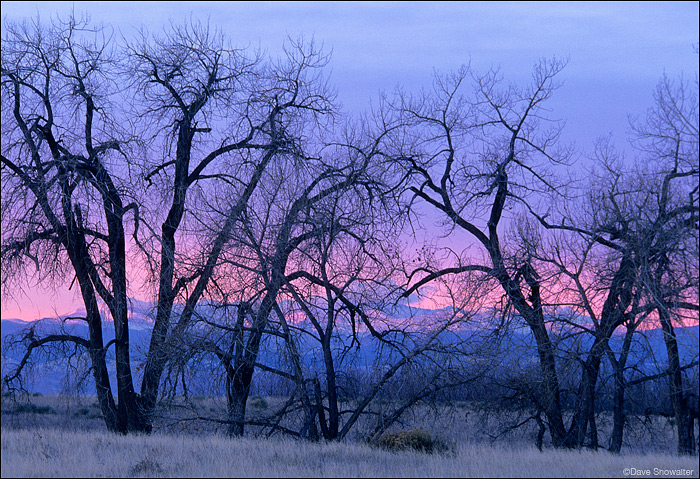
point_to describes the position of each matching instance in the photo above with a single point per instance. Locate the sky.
(617, 53)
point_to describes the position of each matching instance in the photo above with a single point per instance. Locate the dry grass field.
(69, 441)
(55, 453)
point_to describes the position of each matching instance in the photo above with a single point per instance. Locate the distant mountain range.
(48, 373)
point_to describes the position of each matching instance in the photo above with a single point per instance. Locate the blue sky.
(617, 50)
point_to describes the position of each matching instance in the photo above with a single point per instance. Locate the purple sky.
(617, 50)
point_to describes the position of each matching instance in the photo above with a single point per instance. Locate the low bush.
(148, 467)
(87, 413)
(34, 409)
(415, 440)
(257, 402)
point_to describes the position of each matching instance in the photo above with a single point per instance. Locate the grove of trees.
(277, 235)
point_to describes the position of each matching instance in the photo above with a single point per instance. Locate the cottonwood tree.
(481, 158)
(670, 142)
(285, 216)
(218, 118)
(64, 208)
(341, 292)
(473, 158)
(313, 273)
(594, 278)
(261, 112)
(613, 245)
(346, 283)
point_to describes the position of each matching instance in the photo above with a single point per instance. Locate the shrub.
(87, 413)
(415, 439)
(147, 467)
(257, 402)
(34, 409)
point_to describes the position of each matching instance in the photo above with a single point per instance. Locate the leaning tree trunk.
(76, 249)
(551, 398)
(96, 351)
(534, 317)
(619, 416)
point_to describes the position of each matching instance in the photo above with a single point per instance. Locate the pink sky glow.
(617, 53)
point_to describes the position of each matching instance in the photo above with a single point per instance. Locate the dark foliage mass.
(276, 237)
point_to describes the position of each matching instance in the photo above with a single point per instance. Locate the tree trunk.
(333, 414)
(681, 411)
(77, 253)
(619, 417)
(236, 399)
(534, 317)
(550, 397)
(618, 300)
(103, 388)
(129, 407)
(583, 423)
(238, 383)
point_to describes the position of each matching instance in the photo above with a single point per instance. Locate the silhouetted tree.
(218, 119)
(474, 159)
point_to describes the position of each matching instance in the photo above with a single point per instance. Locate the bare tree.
(314, 269)
(63, 208)
(303, 221)
(473, 159)
(632, 227)
(220, 118)
(479, 159)
(262, 111)
(671, 139)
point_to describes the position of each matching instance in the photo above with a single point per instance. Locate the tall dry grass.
(61, 453)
